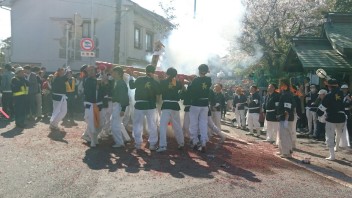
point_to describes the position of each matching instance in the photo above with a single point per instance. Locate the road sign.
(87, 54)
(87, 44)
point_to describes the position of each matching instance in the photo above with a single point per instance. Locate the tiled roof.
(340, 36)
(314, 53)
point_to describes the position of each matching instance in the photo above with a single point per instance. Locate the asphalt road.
(37, 162)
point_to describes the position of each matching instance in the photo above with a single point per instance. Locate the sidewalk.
(339, 170)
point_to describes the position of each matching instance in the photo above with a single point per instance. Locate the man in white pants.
(285, 113)
(120, 101)
(147, 89)
(270, 106)
(311, 109)
(92, 104)
(333, 105)
(253, 111)
(239, 103)
(170, 108)
(217, 103)
(199, 92)
(59, 98)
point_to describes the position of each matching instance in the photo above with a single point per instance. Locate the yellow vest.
(69, 88)
(23, 91)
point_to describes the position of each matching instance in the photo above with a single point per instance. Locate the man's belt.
(170, 101)
(271, 110)
(251, 108)
(143, 101)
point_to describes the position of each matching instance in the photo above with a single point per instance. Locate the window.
(86, 30)
(137, 38)
(149, 42)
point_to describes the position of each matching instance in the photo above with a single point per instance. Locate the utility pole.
(91, 26)
(67, 39)
(195, 9)
(117, 32)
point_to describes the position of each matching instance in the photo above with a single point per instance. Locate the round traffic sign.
(87, 44)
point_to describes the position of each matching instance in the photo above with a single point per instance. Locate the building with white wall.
(48, 33)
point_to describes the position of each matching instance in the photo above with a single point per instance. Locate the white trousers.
(285, 138)
(312, 120)
(186, 124)
(138, 120)
(116, 123)
(107, 118)
(240, 119)
(294, 131)
(345, 139)
(173, 116)
(91, 130)
(59, 111)
(127, 117)
(213, 127)
(216, 116)
(198, 122)
(38, 99)
(272, 129)
(330, 130)
(253, 121)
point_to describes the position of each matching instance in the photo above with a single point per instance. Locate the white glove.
(217, 104)
(285, 124)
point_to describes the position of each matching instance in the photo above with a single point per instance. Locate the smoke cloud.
(205, 38)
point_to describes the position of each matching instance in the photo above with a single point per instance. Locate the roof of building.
(332, 51)
(313, 53)
(340, 37)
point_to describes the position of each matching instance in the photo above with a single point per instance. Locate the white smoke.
(210, 34)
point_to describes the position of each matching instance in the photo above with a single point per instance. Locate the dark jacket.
(199, 91)
(286, 104)
(271, 104)
(58, 87)
(170, 94)
(120, 94)
(254, 103)
(6, 79)
(334, 107)
(217, 101)
(241, 100)
(146, 91)
(186, 97)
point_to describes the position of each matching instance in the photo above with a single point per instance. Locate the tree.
(343, 6)
(269, 25)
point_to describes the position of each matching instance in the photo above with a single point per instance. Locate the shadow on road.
(327, 171)
(57, 135)
(12, 133)
(177, 163)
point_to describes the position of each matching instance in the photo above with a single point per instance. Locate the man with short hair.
(199, 91)
(217, 103)
(311, 109)
(332, 104)
(253, 111)
(7, 101)
(170, 108)
(59, 98)
(19, 87)
(285, 114)
(270, 107)
(147, 89)
(92, 104)
(347, 101)
(239, 103)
